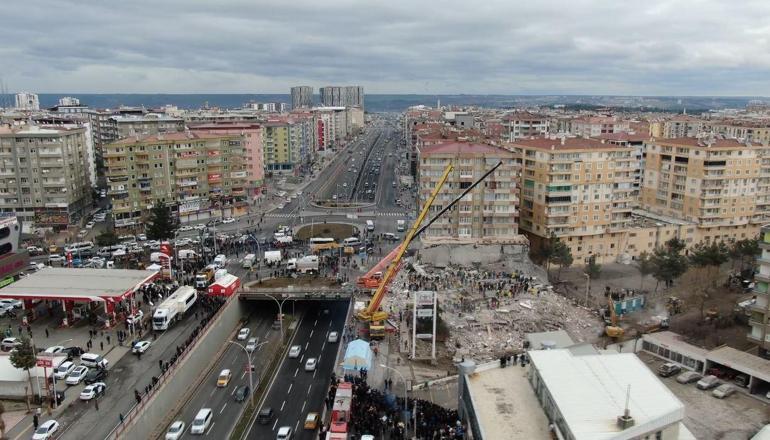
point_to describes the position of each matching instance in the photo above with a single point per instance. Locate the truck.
(205, 277)
(283, 240)
(186, 254)
(174, 307)
(370, 225)
(400, 225)
(306, 264)
(272, 257)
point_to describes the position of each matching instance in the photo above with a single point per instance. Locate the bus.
(321, 240)
(318, 244)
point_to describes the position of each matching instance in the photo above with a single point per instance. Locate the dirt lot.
(736, 417)
(337, 231)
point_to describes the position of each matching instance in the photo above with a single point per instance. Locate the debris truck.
(174, 308)
(272, 257)
(306, 264)
(205, 276)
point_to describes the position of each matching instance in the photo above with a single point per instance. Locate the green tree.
(593, 269)
(160, 225)
(562, 256)
(709, 256)
(668, 261)
(107, 238)
(745, 252)
(2, 421)
(545, 251)
(645, 267)
(24, 357)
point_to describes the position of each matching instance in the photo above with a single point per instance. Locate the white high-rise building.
(68, 101)
(27, 101)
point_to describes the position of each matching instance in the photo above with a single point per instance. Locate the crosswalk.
(390, 214)
(280, 215)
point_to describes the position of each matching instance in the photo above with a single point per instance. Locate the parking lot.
(735, 417)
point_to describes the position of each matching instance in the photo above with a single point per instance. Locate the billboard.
(424, 298)
(51, 217)
(13, 264)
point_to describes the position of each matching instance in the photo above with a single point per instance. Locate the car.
(310, 364)
(9, 344)
(34, 250)
(73, 351)
(140, 347)
(251, 345)
(82, 233)
(200, 226)
(722, 391)
(688, 377)
(76, 375)
(284, 433)
(136, 318)
(333, 337)
(46, 430)
(224, 378)
(63, 370)
(15, 303)
(228, 220)
(95, 375)
(54, 350)
(90, 225)
(311, 421)
(243, 334)
(92, 391)
(241, 393)
(175, 431)
(669, 369)
(708, 382)
(295, 351)
(55, 258)
(141, 237)
(265, 415)
(185, 228)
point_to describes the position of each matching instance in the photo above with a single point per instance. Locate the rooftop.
(169, 137)
(504, 394)
(590, 393)
(566, 143)
(669, 340)
(462, 148)
(742, 361)
(77, 284)
(702, 143)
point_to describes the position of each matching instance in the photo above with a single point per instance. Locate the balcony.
(47, 152)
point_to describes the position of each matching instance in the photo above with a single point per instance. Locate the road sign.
(424, 298)
(424, 313)
(44, 362)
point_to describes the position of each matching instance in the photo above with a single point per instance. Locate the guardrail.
(302, 293)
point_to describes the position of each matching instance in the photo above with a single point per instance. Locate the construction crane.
(393, 259)
(612, 329)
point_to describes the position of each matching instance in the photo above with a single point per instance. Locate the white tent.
(358, 355)
(156, 267)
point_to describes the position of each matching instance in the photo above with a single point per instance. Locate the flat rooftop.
(505, 404)
(741, 361)
(77, 284)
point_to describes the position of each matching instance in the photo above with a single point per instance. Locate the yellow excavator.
(612, 329)
(372, 313)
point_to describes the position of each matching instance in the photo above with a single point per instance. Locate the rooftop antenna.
(626, 421)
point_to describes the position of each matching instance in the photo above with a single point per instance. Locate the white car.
(77, 375)
(63, 370)
(46, 430)
(228, 220)
(243, 334)
(334, 337)
(94, 390)
(310, 364)
(136, 318)
(183, 242)
(251, 345)
(15, 303)
(175, 431)
(53, 350)
(90, 225)
(295, 351)
(200, 226)
(140, 347)
(10, 343)
(185, 229)
(55, 258)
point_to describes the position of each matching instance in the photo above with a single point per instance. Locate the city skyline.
(718, 49)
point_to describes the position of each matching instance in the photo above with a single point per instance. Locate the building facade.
(27, 101)
(145, 125)
(488, 212)
(346, 96)
(44, 177)
(301, 97)
(200, 175)
(759, 320)
(253, 150)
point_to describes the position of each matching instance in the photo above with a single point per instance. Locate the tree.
(697, 287)
(160, 225)
(545, 251)
(668, 261)
(745, 251)
(710, 256)
(24, 357)
(593, 269)
(645, 267)
(2, 420)
(107, 238)
(562, 256)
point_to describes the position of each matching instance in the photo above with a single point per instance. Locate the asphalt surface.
(221, 400)
(295, 392)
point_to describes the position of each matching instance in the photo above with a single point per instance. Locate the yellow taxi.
(224, 378)
(311, 421)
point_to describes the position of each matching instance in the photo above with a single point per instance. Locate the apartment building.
(27, 101)
(199, 174)
(759, 320)
(283, 144)
(713, 183)
(595, 126)
(253, 150)
(681, 126)
(44, 175)
(580, 190)
(488, 213)
(519, 125)
(301, 97)
(145, 125)
(346, 96)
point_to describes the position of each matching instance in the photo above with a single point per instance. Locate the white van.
(248, 261)
(93, 360)
(220, 260)
(351, 241)
(400, 225)
(370, 225)
(219, 274)
(75, 248)
(201, 421)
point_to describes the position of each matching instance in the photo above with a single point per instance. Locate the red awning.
(225, 286)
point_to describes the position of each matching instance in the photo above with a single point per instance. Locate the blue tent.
(358, 355)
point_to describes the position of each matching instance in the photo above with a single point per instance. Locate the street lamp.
(249, 365)
(280, 310)
(404, 381)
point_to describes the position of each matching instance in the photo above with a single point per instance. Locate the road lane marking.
(323, 346)
(314, 372)
(296, 426)
(210, 428)
(223, 408)
(242, 376)
(289, 391)
(308, 388)
(236, 388)
(316, 322)
(283, 404)
(307, 344)
(302, 358)
(303, 406)
(212, 392)
(275, 424)
(311, 333)
(296, 371)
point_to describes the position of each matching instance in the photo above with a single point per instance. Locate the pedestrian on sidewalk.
(35, 421)
(101, 345)
(46, 332)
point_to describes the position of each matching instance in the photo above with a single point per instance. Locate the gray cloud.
(681, 47)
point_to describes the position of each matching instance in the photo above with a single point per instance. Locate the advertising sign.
(424, 298)
(49, 217)
(195, 205)
(44, 362)
(424, 313)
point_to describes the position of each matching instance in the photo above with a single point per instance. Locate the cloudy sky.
(649, 47)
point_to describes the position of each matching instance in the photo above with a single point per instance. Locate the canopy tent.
(358, 355)
(155, 266)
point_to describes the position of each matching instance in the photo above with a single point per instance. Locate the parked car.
(708, 382)
(55, 258)
(241, 393)
(34, 250)
(741, 380)
(688, 377)
(175, 431)
(722, 391)
(15, 303)
(95, 375)
(73, 351)
(46, 430)
(63, 370)
(9, 344)
(77, 375)
(54, 350)
(136, 318)
(669, 369)
(228, 220)
(93, 390)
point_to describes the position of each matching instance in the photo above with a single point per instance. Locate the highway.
(221, 400)
(295, 392)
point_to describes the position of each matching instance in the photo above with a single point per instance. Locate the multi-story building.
(710, 182)
(301, 97)
(282, 143)
(681, 126)
(332, 125)
(524, 124)
(594, 126)
(27, 101)
(759, 320)
(488, 212)
(199, 174)
(44, 174)
(347, 96)
(578, 189)
(253, 150)
(145, 125)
